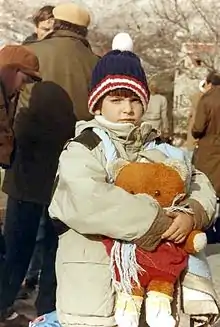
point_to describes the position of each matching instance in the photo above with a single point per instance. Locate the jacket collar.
(70, 34)
(127, 133)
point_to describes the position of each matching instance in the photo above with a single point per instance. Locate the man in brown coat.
(66, 57)
(206, 129)
(42, 126)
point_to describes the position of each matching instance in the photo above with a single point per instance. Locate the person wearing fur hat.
(86, 204)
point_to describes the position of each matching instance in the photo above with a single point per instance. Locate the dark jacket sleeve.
(6, 132)
(201, 119)
(49, 110)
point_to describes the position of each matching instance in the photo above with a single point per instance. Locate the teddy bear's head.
(163, 181)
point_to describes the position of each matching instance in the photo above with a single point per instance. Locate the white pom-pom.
(122, 42)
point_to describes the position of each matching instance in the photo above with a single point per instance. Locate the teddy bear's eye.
(157, 193)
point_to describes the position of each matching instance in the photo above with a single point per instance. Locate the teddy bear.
(154, 273)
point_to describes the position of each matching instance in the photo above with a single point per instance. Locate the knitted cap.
(118, 70)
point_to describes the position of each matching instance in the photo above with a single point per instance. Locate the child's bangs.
(124, 93)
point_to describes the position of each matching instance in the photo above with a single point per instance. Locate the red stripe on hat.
(112, 84)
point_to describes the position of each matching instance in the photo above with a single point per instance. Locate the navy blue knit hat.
(118, 70)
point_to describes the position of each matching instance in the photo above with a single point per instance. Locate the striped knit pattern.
(113, 82)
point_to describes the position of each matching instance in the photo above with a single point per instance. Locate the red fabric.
(165, 263)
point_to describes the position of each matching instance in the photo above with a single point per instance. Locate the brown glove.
(152, 238)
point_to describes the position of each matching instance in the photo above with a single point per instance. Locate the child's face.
(120, 109)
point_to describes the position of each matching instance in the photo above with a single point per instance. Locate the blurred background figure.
(206, 130)
(191, 141)
(156, 114)
(43, 21)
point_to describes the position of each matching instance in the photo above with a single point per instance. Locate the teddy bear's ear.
(115, 167)
(182, 168)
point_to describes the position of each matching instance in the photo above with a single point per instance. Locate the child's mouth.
(127, 120)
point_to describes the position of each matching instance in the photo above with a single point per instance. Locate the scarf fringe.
(123, 257)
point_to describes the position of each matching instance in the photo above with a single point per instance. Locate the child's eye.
(116, 100)
(135, 100)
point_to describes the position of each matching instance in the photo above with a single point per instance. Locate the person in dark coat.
(66, 61)
(41, 130)
(43, 21)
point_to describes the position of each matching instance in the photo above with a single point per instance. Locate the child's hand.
(181, 227)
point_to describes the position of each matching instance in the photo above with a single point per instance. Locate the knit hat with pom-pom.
(118, 69)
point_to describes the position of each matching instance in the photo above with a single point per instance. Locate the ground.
(213, 253)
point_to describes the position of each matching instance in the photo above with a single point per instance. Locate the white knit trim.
(108, 85)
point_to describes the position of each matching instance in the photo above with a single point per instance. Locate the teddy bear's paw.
(158, 310)
(200, 242)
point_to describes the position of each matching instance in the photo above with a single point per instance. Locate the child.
(86, 203)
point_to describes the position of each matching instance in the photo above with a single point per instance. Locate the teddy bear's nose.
(157, 193)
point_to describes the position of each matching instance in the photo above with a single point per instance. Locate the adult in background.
(66, 57)
(41, 130)
(18, 66)
(206, 129)
(156, 114)
(191, 142)
(66, 63)
(43, 22)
